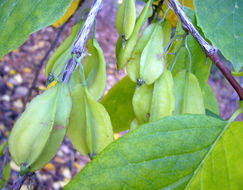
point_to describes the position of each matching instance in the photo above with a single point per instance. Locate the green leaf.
(21, 18)
(5, 176)
(210, 100)
(118, 103)
(165, 154)
(221, 20)
(2, 147)
(181, 61)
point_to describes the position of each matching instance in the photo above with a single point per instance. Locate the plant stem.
(235, 115)
(209, 50)
(78, 45)
(189, 53)
(94, 31)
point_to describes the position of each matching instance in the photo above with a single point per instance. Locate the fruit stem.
(94, 32)
(170, 42)
(162, 20)
(81, 69)
(189, 53)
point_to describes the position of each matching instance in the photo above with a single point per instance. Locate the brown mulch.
(17, 70)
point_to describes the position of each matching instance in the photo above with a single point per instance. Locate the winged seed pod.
(188, 94)
(89, 129)
(141, 103)
(39, 132)
(118, 45)
(163, 100)
(152, 61)
(124, 54)
(126, 17)
(153, 102)
(134, 124)
(94, 70)
(133, 66)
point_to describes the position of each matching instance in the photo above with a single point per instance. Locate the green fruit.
(118, 45)
(94, 69)
(141, 103)
(39, 132)
(75, 79)
(134, 124)
(153, 102)
(126, 17)
(133, 66)
(124, 54)
(151, 60)
(90, 129)
(188, 94)
(167, 28)
(163, 100)
(142, 69)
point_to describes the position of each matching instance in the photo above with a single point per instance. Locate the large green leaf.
(221, 20)
(175, 152)
(180, 60)
(118, 103)
(222, 167)
(22, 17)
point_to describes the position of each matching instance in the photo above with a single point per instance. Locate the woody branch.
(78, 46)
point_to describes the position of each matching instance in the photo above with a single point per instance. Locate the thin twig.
(39, 66)
(18, 184)
(78, 46)
(210, 50)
